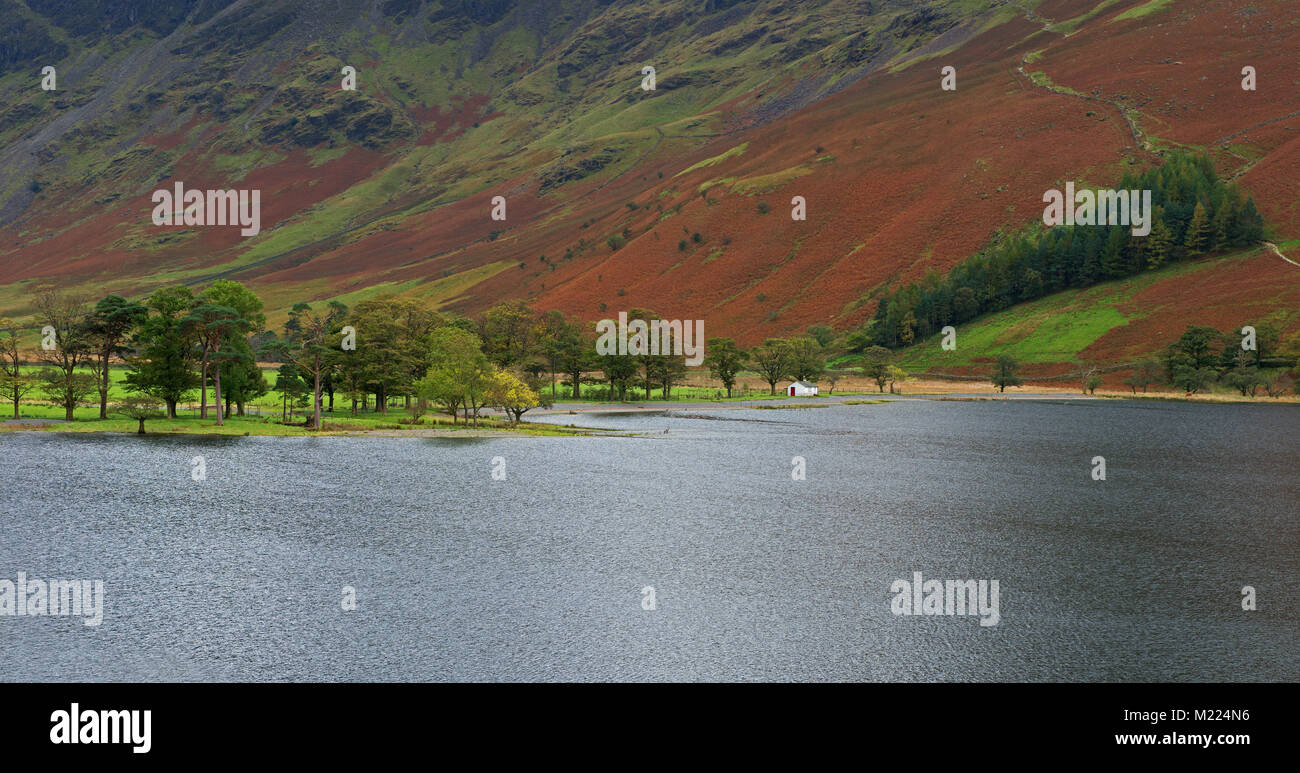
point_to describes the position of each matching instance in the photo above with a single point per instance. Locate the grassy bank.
(50, 419)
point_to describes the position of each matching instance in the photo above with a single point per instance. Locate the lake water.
(756, 576)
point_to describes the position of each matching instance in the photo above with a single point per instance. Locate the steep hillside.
(676, 199)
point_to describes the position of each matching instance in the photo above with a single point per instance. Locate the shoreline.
(240, 427)
(235, 430)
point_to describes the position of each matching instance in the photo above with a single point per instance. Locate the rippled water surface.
(757, 576)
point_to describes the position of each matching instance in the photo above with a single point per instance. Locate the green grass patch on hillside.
(766, 183)
(237, 166)
(321, 156)
(1039, 78)
(1145, 9)
(1051, 329)
(1037, 332)
(718, 159)
(1070, 26)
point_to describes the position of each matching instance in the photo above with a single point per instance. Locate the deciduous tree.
(1005, 373)
(14, 384)
(807, 361)
(771, 361)
(62, 317)
(724, 360)
(511, 394)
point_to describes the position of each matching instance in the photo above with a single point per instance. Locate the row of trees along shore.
(1201, 358)
(177, 342)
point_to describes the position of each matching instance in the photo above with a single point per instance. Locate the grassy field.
(1055, 328)
(340, 423)
(1052, 329)
(264, 418)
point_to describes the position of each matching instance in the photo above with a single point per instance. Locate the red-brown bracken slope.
(900, 178)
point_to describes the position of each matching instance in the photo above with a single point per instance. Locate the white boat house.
(801, 389)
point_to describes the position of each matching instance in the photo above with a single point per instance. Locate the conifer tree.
(1198, 231)
(1157, 244)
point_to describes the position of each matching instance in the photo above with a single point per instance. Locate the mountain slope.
(388, 188)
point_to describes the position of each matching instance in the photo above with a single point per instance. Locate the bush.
(1278, 384)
